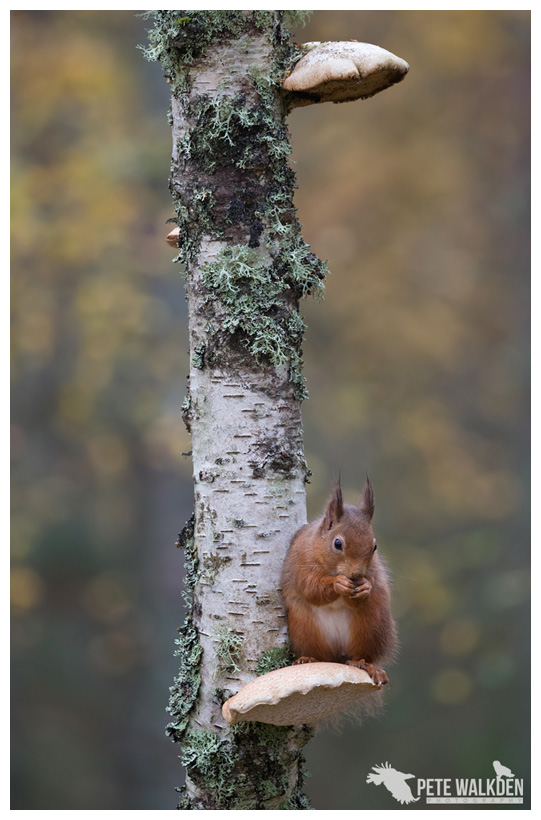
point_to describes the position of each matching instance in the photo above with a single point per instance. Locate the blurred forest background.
(417, 366)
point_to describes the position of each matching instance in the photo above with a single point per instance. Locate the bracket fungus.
(306, 693)
(342, 71)
(173, 237)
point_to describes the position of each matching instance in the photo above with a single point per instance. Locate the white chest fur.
(334, 621)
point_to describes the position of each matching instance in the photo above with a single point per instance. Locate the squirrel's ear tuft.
(368, 504)
(335, 508)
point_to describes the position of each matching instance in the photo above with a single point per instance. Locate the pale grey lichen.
(186, 33)
(218, 765)
(228, 649)
(250, 297)
(185, 687)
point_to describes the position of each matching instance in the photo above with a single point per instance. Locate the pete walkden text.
(508, 790)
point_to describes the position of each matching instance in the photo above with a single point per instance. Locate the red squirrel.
(336, 590)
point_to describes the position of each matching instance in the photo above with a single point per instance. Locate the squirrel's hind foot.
(378, 675)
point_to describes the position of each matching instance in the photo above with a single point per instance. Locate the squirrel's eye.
(375, 547)
(338, 545)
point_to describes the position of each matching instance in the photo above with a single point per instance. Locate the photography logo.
(394, 782)
(503, 788)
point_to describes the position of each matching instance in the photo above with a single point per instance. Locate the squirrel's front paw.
(343, 586)
(304, 659)
(363, 589)
(378, 675)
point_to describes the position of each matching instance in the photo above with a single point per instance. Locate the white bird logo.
(502, 771)
(394, 782)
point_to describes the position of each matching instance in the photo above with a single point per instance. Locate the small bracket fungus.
(172, 237)
(294, 695)
(342, 71)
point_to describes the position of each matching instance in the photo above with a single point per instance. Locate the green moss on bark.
(273, 659)
(194, 219)
(232, 779)
(185, 687)
(227, 132)
(187, 34)
(258, 302)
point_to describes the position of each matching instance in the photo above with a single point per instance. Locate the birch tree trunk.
(246, 269)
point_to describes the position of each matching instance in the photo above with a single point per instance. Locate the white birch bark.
(244, 414)
(243, 523)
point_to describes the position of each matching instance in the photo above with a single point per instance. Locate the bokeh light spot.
(114, 653)
(459, 636)
(451, 686)
(108, 454)
(109, 596)
(26, 588)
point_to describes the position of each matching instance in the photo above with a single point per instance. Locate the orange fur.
(338, 600)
